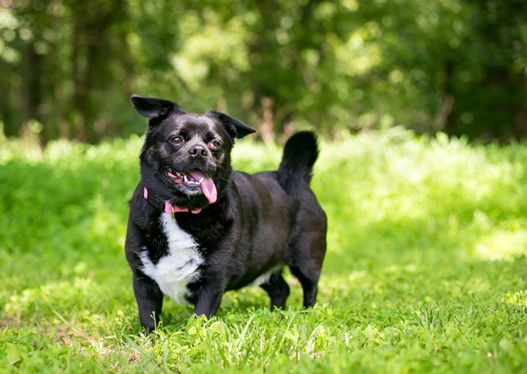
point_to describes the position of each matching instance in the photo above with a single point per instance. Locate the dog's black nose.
(198, 151)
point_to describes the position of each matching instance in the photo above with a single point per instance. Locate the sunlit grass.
(426, 267)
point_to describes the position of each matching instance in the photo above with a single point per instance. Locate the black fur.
(257, 223)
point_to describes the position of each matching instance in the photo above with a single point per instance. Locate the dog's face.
(186, 157)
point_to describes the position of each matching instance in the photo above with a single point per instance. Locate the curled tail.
(300, 154)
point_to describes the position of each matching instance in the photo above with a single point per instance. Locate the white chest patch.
(180, 266)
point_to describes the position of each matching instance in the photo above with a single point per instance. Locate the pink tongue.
(207, 186)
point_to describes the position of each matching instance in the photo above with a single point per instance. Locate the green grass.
(426, 267)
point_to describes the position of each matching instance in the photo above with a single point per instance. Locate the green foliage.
(426, 267)
(456, 66)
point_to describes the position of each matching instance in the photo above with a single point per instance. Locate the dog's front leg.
(208, 302)
(149, 300)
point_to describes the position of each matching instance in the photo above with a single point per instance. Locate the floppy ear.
(150, 107)
(235, 128)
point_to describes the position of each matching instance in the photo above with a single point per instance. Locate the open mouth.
(194, 182)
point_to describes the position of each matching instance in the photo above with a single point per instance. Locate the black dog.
(197, 229)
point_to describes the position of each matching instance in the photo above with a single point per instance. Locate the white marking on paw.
(179, 267)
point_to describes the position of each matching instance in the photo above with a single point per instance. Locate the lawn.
(426, 269)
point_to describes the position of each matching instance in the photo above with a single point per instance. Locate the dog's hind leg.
(277, 289)
(306, 262)
(309, 282)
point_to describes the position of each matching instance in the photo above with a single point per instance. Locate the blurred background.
(68, 67)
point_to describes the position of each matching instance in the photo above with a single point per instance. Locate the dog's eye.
(214, 145)
(176, 140)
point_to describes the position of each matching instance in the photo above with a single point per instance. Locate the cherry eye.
(214, 145)
(176, 140)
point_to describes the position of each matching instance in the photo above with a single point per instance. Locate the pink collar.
(166, 206)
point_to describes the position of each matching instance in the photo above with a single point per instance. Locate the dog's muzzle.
(194, 181)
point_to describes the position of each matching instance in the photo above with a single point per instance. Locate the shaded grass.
(426, 267)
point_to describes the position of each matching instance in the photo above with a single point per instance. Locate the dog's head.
(186, 157)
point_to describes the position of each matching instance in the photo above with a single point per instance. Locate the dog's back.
(291, 181)
(292, 196)
(307, 243)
